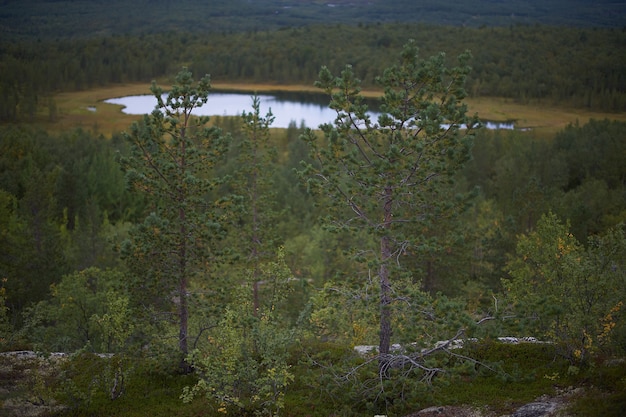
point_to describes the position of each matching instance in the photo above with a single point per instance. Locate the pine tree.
(385, 177)
(257, 162)
(172, 161)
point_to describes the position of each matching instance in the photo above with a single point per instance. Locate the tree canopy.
(83, 18)
(173, 157)
(385, 177)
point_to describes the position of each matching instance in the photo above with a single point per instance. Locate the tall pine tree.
(257, 162)
(386, 177)
(172, 162)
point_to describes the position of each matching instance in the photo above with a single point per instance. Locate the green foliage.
(606, 394)
(88, 309)
(523, 176)
(567, 292)
(348, 317)
(387, 178)
(498, 376)
(594, 177)
(344, 315)
(33, 257)
(569, 66)
(63, 206)
(90, 386)
(172, 162)
(523, 373)
(591, 151)
(533, 370)
(86, 379)
(5, 325)
(67, 18)
(256, 166)
(244, 367)
(116, 324)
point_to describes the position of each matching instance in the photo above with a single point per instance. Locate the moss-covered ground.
(525, 372)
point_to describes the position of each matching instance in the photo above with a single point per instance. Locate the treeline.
(568, 66)
(85, 18)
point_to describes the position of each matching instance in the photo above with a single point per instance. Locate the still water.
(308, 109)
(285, 110)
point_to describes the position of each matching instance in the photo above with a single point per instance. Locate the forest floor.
(87, 109)
(30, 384)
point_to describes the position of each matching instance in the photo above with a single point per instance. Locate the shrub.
(571, 294)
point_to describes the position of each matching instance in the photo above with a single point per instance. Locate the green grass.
(148, 391)
(525, 372)
(605, 393)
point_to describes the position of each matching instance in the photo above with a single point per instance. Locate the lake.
(302, 108)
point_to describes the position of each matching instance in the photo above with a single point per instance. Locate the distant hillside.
(85, 18)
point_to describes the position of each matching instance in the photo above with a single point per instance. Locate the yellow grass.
(72, 109)
(540, 118)
(263, 88)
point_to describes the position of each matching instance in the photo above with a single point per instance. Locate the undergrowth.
(605, 390)
(503, 378)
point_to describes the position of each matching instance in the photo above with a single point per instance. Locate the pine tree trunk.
(385, 283)
(183, 309)
(182, 279)
(385, 312)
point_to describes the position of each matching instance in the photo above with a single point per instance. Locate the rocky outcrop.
(538, 409)
(23, 384)
(452, 344)
(549, 406)
(544, 406)
(448, 412)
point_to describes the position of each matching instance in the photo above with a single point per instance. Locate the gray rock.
(448, 411)
(537, 409)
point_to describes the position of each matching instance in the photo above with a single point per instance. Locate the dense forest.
(230, 267)
(53, 19)
(67, 195)
(573, 67)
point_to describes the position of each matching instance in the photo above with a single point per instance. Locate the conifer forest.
(184, 265)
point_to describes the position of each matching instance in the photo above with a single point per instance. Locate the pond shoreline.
(545, 120)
